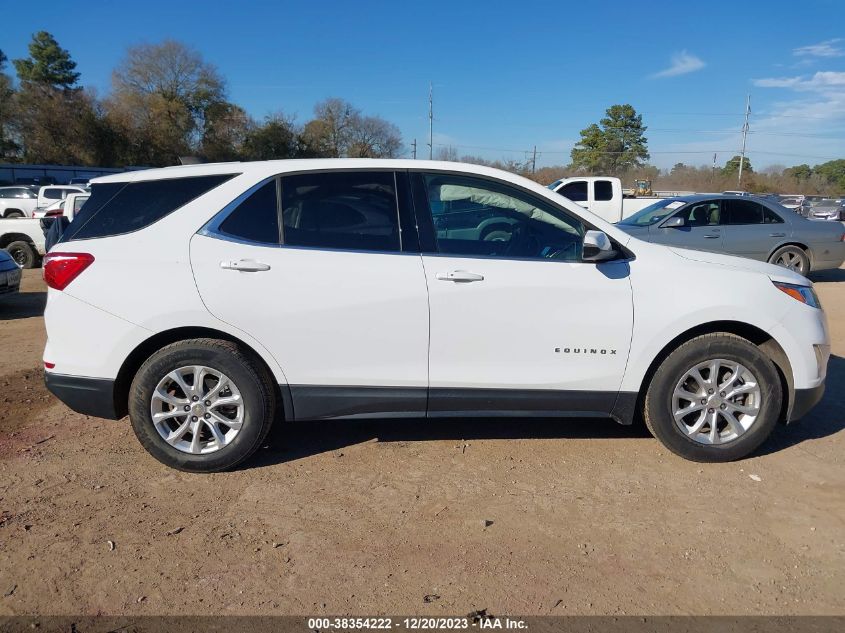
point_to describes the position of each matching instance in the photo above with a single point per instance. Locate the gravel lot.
(516, 516)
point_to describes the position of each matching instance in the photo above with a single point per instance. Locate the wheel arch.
(762, 339)
(807, 251)
(8, 238)
(151, 345)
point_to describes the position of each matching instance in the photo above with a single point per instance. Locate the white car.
(68, 207)
(48, 194)
(17, 202)
(218, 297)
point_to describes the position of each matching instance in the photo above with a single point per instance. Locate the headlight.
(804, 294)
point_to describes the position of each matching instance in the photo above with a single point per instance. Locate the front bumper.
(804, 400)
(89, 396)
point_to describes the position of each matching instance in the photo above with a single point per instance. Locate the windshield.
(653, 213)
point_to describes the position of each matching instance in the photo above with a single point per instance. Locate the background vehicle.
(741, 225)
(23, 239)
(10, 275)
(604, 195)
(791, 203)
(409, 288)
(49, 194)
(824, 209)
(17, 202)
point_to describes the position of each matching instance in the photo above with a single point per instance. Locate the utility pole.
(744, 137)
(534, 160)
(414, 149)
(430, 121)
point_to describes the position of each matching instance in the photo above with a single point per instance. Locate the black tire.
(14, 213)
(23, 253)
(657, 409)
(795, 251)
(252, 380)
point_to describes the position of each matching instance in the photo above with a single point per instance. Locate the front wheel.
(201, 405)
(715, 398)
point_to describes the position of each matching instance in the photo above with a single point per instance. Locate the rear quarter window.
(118, 208)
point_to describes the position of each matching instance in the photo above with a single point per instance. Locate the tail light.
(54, 213)
(62, 268)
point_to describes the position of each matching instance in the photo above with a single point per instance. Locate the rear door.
(701, 229)
(335, 291)
(751, 229)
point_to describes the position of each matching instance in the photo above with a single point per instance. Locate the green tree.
(617, 143)
(8, 148)
(48, 63)
(277, 137)
(833, 172)
(732, 166)
(225, 129)
(162, 95)
(799, 172)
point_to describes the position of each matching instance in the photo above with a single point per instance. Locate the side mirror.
(597, 247)
(675, 222)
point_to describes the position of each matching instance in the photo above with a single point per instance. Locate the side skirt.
(317, 402)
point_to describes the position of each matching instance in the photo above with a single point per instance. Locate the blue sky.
(506, 75)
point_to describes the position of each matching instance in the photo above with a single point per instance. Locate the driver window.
(702, 213)
(478, 217)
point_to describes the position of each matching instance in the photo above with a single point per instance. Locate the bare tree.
(373, 137)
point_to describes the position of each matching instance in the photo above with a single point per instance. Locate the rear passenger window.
(575, 191)
(344, 210)
(743, 212)
(770, 217)
(117, 208)
(256, 219)
(604, 190)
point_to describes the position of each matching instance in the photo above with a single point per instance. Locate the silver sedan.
(745, 226)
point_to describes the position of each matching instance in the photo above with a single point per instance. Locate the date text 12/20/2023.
(479, 621)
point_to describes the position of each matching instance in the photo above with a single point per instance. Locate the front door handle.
(777, 234)
(711, 237)
(459, 276)
(245, 265)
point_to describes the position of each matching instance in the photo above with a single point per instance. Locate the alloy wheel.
(791, 260)
(197, 409)
(716, 401)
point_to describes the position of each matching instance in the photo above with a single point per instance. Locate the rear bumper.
(804, 400)
(90, 396)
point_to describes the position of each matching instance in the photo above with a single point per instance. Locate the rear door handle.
(712, 237)
(245, 265)
(777, 234)
(459, 275)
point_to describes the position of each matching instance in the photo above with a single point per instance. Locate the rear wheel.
(201, 405)
(714, 399)
(13, 213)
(791, 257)
(23, 253)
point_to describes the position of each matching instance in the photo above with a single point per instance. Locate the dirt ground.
(527, 517)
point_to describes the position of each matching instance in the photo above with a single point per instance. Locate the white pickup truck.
(603, 195)
(23, 239)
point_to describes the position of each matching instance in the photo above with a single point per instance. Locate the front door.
(331, 293)
(700, 231)
(518, 321)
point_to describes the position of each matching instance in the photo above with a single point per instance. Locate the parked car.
(81, 181)
(791, 203)
(10, 275)
(330, 289)
(824, 209)
(53, 209)
(603, 195)
(48, 195)
(744, 226)
(23, 239)
(17, 202)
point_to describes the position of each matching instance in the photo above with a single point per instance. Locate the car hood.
(777, 273)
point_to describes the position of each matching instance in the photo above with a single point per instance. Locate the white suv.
(217, 297)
